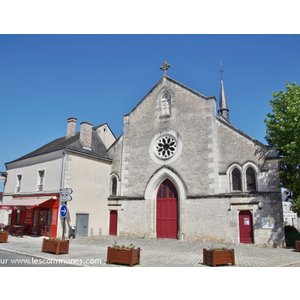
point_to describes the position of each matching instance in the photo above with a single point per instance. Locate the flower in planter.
(123, 247)
(225, 246)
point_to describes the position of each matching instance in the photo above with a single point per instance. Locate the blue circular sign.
(63, 211)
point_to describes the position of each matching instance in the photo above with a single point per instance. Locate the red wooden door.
(246, 227)
(113, 222)
(167, 211)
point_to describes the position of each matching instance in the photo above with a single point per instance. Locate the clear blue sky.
(44, 79)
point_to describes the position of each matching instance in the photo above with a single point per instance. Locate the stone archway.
(151, 197)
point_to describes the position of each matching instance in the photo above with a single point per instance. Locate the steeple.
(223, 109)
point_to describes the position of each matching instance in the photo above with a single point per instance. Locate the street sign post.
(63, 213)
(65, 196)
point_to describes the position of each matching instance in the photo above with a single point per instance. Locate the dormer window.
(19, 181)
(166, 104)
(41, 176)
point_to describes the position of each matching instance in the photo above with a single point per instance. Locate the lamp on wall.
(229, 207)
(260, 205)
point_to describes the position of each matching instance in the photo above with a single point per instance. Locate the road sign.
(68, 191)
(63, 211)
(65, 198)
(65, 194)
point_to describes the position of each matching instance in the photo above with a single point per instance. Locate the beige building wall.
(29, 171)
(89, 179)
(106, 135)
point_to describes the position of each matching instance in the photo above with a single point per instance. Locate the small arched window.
(236, 180)
(251, 179)
(166, 104)
(114, 186)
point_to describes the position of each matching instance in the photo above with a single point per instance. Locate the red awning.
(24, 202)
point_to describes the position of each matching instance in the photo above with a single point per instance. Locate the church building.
(181, 170)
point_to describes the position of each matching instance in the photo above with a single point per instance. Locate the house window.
(166, 104)
(251, 179)
(114, 185)
(41, 180)
(19, 181)
(236, 180)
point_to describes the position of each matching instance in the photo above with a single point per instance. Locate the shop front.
(34, 215)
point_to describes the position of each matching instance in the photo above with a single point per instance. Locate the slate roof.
(73, 144)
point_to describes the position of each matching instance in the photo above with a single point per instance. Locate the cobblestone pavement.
(154, 253)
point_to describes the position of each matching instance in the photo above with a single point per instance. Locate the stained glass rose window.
(165, 146)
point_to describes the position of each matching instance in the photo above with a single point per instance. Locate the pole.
(64, 228)
(64, 224)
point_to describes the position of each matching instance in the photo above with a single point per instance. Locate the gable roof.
(175, 82)
(271, 152)
(72, 144)
(98, 126)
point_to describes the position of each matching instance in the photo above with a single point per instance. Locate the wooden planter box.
(3, 236)
(297, 246)
(55, 246)
(217, 257)
(127, 257)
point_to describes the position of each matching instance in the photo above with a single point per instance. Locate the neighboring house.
(289, 217)
(181, 170)
(78, 161)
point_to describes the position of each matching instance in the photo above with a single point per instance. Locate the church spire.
(223, 109)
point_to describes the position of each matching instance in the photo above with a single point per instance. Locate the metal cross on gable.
(165, 66)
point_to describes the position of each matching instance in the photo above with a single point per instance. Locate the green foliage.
(283, 132)
(291, 235)
(296, 205)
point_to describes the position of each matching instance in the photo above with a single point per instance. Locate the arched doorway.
(167, 211)
(246, 227)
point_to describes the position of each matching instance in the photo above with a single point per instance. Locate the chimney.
(71, 127)
(86, 135)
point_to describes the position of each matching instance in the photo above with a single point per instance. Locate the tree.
(283, 132)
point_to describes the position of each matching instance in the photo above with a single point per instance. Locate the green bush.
(291, 235)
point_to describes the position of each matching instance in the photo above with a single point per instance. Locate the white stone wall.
(191, 115)
(205, 219)
(89, 179)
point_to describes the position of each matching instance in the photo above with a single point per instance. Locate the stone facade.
(199, 163)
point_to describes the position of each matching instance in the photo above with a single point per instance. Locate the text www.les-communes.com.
(45, 261)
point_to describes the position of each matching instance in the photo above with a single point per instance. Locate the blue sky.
(44, 79)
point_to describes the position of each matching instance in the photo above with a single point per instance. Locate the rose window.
(165, 147)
